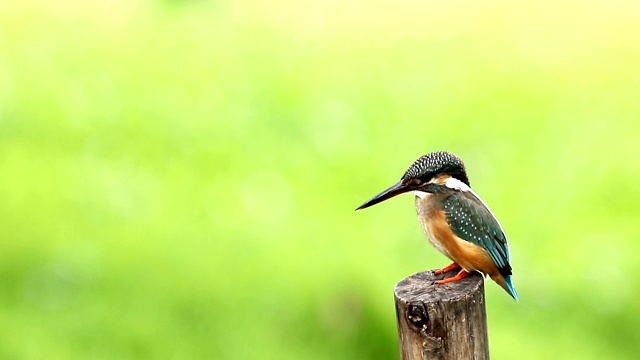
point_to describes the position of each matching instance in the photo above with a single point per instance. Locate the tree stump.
(444, 322)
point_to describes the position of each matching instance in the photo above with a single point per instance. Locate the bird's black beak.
(394, 190)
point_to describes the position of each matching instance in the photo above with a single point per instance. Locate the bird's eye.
(414, 182)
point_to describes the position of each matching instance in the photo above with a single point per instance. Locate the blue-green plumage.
(510, 287)
(471, 220)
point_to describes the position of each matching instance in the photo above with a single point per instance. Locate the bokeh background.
(178, 178)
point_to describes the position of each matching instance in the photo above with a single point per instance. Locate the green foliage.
(178, 179)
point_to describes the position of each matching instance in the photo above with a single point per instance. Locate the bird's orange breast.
(434, 224)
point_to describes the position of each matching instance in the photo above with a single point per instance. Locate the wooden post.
(444, 322)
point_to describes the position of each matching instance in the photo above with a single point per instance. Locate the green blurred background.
(178, 178)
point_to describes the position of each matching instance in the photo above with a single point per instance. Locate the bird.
(455, 219)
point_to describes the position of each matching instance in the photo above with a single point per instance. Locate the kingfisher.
(454, 218)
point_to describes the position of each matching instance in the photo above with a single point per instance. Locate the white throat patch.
(420, 194)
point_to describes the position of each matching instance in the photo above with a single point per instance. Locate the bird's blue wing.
(471, 220)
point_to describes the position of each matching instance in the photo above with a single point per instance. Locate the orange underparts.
(445, 269)
(461, 275)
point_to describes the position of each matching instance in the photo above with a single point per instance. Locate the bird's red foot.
(461, 275)
(445, 269)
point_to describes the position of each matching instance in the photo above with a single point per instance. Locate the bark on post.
(444, 322)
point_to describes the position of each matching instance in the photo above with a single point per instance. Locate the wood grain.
(444, 322)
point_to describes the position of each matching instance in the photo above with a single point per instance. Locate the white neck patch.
(455, 184)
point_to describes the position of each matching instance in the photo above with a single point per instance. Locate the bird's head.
(427, 170)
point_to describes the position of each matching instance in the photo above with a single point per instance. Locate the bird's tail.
(508, 285)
